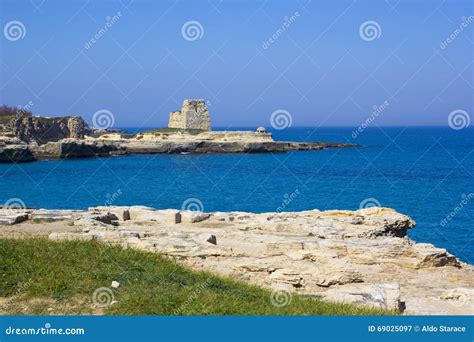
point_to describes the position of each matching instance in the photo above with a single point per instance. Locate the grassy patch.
(6, 119)
(39, 276)
(175, 130)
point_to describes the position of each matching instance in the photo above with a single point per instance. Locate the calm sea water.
(426, 173)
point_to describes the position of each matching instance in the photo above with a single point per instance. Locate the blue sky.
(319, 67)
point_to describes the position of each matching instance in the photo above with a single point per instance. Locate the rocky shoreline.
(363, 257)
(97, 147)
(25, 138)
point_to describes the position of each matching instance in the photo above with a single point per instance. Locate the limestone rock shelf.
(363, 257)
(115, 144)
(225, 147)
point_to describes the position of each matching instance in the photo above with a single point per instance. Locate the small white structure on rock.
(261, 130)
(193, 115)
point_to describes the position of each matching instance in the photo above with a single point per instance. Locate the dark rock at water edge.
(82, 148)
(75, 149)
(15, 153)
(58, 150)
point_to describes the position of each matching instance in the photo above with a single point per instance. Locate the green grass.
(175, 130)
(6, 119)
(39, 276)
(165, 130)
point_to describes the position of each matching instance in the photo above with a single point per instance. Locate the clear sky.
(321, 66)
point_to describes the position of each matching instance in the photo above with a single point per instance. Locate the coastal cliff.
(41, 130)
(362, 257)
(21, 126)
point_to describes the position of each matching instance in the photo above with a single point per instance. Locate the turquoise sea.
(424, 172)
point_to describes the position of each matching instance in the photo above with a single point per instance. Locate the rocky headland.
(363, 257)
(24, 137)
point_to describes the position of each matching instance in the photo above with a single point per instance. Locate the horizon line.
(335, 126)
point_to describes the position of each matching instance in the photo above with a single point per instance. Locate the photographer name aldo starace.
(416, 328)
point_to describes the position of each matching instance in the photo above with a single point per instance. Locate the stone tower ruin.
(193, 115)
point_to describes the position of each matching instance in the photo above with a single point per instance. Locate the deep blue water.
(422, 172)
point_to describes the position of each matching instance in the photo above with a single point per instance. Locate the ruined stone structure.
(193, 115)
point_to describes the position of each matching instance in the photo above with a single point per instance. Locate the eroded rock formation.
(41, 130)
